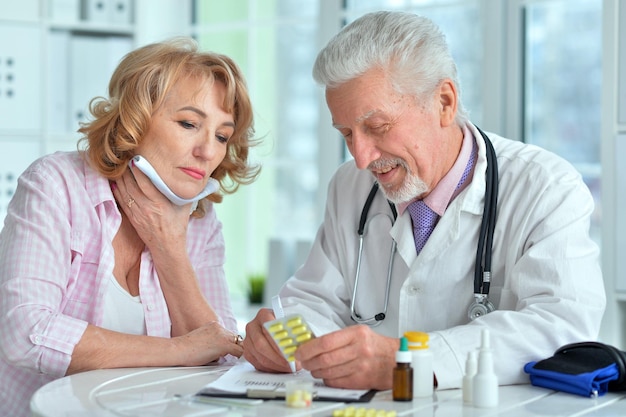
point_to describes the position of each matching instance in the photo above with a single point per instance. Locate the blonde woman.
(98, 268)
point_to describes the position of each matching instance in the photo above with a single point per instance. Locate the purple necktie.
(424, 221)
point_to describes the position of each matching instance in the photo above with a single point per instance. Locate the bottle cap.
(472, 363)
(417, 340)
(403, 355)
(485, 382)
(484, 339)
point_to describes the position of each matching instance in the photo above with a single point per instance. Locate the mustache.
(383, 163)
(412, 186)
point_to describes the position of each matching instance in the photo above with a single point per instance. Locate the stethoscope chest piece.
(481, 306)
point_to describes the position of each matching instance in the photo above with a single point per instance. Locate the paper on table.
(243, 377)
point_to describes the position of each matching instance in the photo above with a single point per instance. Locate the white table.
(168, 392)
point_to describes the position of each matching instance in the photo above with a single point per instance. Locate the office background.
(541, 71)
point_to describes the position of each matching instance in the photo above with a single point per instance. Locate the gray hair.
(410, 48)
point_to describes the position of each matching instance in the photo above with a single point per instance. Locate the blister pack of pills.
(289, 332)
(352, 411)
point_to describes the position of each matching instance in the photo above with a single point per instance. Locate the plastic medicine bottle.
(403, 374)
(470, 370)
(422, 362)
(485, 382)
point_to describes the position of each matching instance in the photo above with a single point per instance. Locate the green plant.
(256, 287)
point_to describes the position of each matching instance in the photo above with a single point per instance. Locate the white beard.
(412, 186)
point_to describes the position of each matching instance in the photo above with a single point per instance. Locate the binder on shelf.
(57, 82)
(66, 11)
(23, 10)
(16, 156)
(20, 84)
(96, 11)
(120, 12)
(92, 60)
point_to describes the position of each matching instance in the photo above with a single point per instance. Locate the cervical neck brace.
(145, 167)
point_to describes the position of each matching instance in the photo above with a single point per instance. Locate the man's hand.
(355, 357)
(260, 349)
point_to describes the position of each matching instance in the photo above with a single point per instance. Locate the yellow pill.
(338, 413)
(299, 329)
(289, 350)
(281, 335)
(294, 322)
(303, 337)
(291, 358)
(349, 411)
(299, 399)
(275, 327)
(285, 342)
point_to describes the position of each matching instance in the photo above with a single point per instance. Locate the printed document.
(243, 380)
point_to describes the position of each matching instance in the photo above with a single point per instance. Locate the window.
(275, 45)
(563, 85)
(544, 88)
(460, 21)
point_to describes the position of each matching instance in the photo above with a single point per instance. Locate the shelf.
(12, 134)
(100, 28)
(58, 55)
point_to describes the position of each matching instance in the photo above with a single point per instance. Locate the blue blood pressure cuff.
(589, 369)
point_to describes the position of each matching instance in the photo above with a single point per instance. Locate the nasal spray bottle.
(485, 382)
(470, 371)
(422, 362)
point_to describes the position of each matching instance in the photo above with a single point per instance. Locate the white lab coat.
(546, 279)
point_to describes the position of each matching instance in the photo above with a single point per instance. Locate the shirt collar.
(445, 191)
(99, 187)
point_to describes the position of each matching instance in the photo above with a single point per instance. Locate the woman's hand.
(101, 348)
(160, 224)
(206, 344)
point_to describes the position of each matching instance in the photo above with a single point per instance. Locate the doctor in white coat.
(392, 90)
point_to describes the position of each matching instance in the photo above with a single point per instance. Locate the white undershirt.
(122, 312)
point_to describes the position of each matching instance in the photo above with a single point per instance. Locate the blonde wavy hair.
(137, 88)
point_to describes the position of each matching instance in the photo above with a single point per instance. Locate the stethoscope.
(482, 269)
